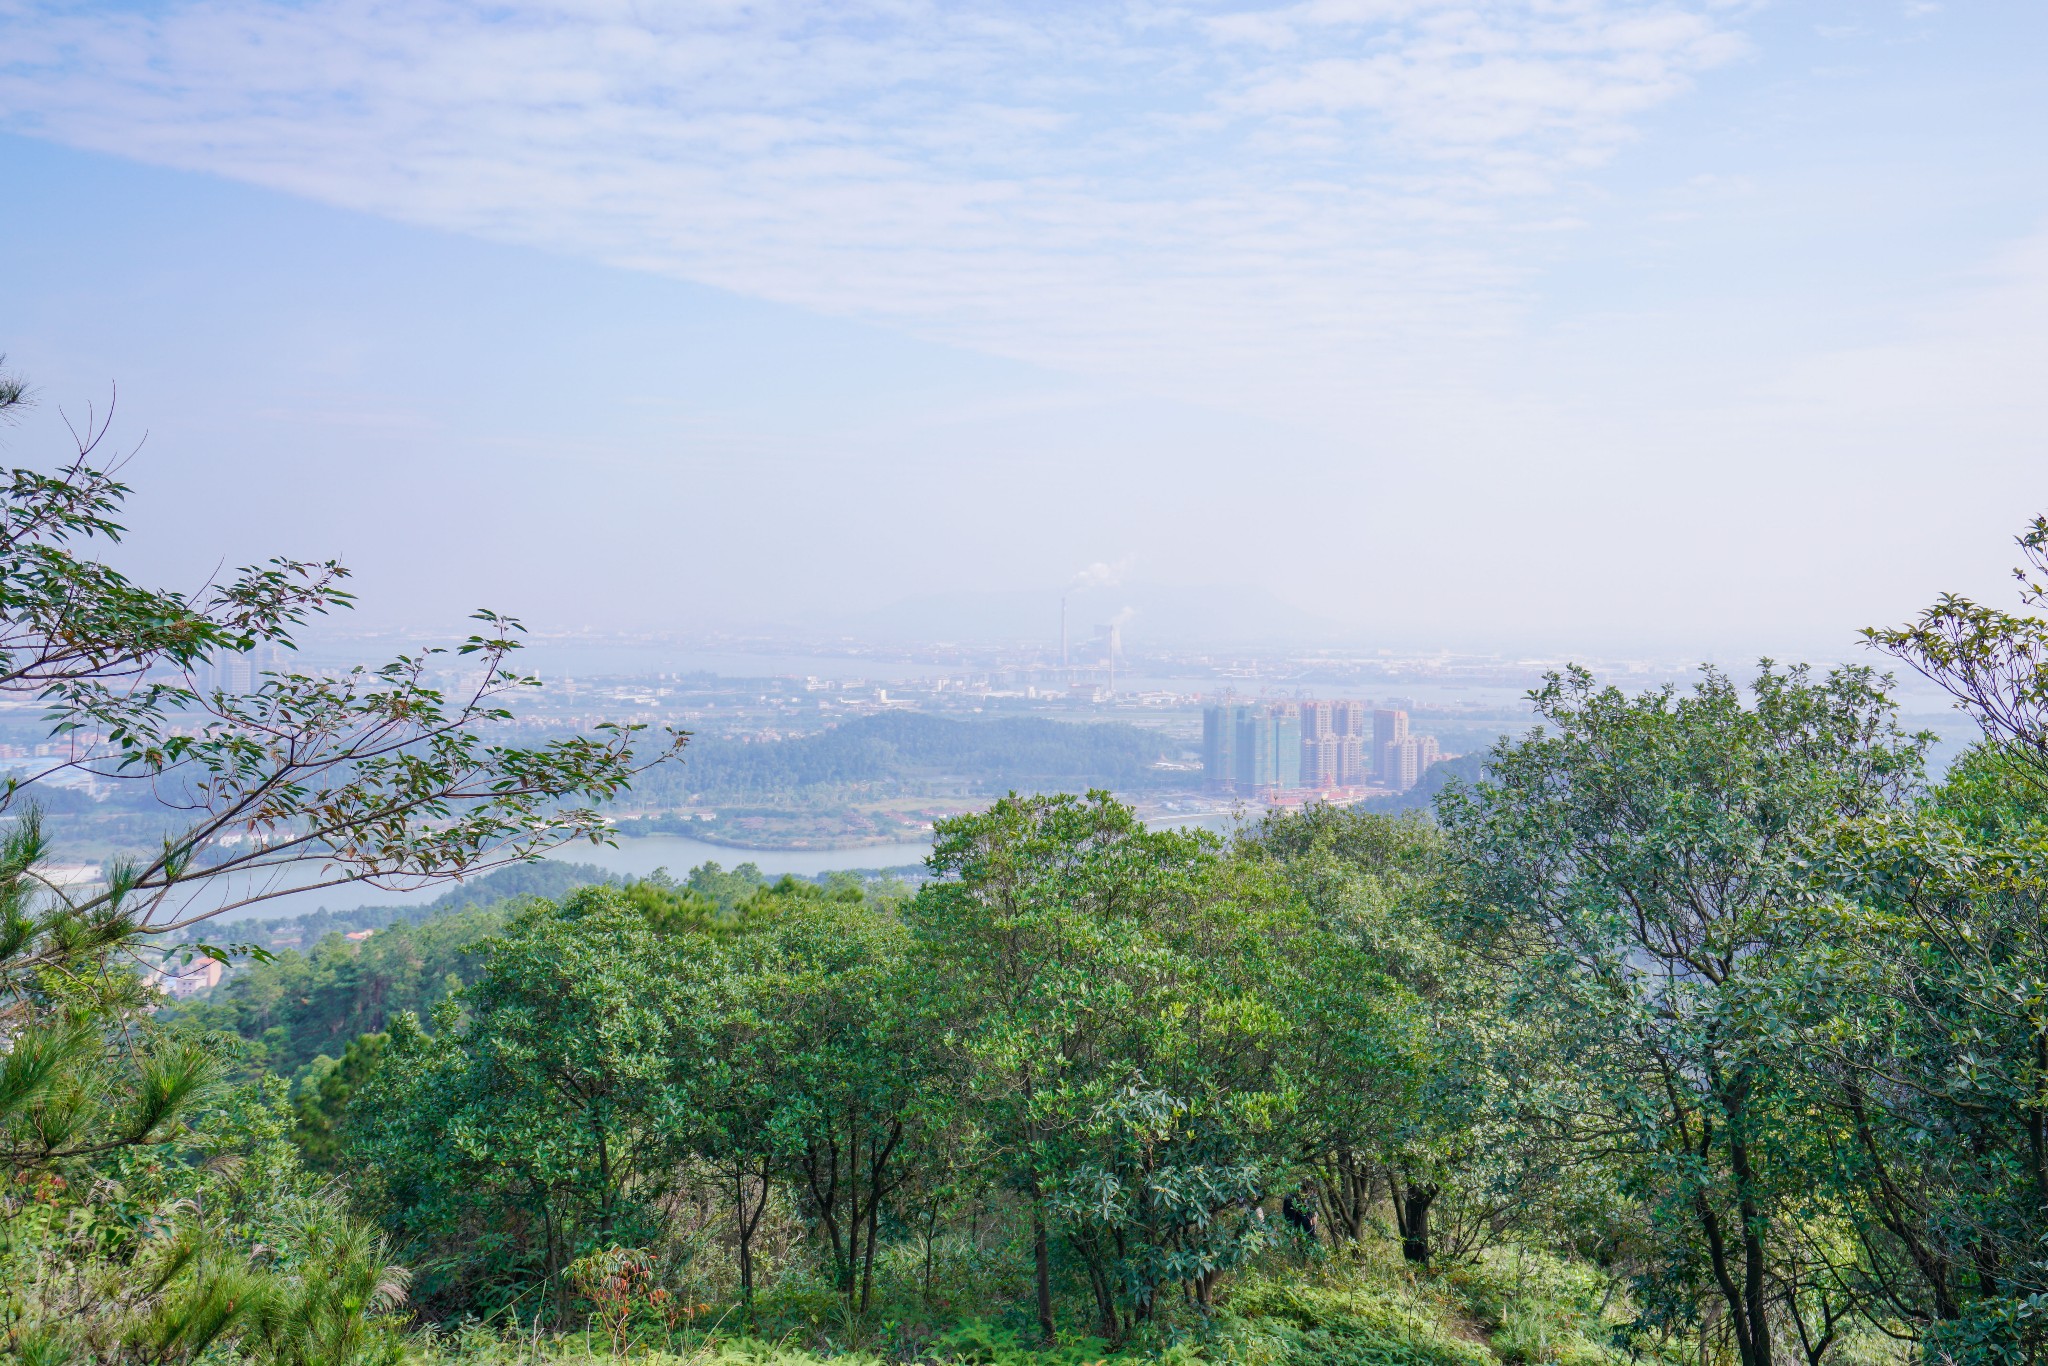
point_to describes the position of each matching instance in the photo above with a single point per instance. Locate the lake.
(641, 855)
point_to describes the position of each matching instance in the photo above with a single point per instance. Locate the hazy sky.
(1566, 323)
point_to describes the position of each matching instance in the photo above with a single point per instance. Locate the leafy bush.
(1354, 1325)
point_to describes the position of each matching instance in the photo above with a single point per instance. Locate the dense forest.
(1128, 1087)
(1695, 1025)
(294, 1006)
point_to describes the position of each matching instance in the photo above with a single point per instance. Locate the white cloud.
(1237, 201)
(1104, 573)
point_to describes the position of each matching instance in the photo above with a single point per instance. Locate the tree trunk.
(1041, 1266)
(879, 1186)
(749, 1222)
(1106, 1321)
(746, 1237)
(867, 1265)
(1349, 1197)
(2037, 1117)
(550, 1264)
(1743, 1314)
(1412, 1200)
(1754, 1312)
(1343, 1196)
(852, 1204)
(821, 1173)
(604, 1175)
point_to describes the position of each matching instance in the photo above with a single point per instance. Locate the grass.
(1541, 1310)
(1294, 1307)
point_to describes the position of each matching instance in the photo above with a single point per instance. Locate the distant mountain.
(1148, 614)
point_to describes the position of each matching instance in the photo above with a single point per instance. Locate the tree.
(739, 1042)
(1926, 1026)
(1342, 955)
(297, 1008)
(373, 775)
(1155, 1195)
(1992, 662)
(544, 1116)
(1097, 976)
(857, 1071)
(304, 780)
(1925, 1042)
(215, 1236)
(1648, 854)
(323, 1103)
(1412, 1086)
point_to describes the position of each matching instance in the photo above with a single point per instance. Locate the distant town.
(1193, 735)
(1285, 753)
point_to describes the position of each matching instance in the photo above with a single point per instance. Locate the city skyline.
(1290, 751)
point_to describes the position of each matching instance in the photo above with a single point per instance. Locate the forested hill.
(906, 752)
(304, 1002)
(1466, 768)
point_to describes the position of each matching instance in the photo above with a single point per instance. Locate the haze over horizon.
(1713, 327)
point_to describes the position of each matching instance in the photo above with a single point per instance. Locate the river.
(641, 855)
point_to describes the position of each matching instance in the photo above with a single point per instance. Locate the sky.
(1614, 325)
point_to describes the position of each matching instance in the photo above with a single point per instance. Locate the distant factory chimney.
(1111, 636)
(1066, 674)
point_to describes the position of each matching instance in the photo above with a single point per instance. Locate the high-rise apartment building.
(1400, 764)
(1405, 761)
(1319, 760)
(1309, 746)
(227, 673)
(1286, 747)
(1254, 749)
(1250, 749)
(1318, 745)
(1389, 728)
(1219, 746)
(1354, 761)
(1269, 748)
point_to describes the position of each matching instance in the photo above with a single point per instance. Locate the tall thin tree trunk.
(867, 1265)
(748, 1221)
(878, 1186)
(604, 1175)
(1740, 1319)
(852, 1201)
(1755, 1310)
(1041, 1265)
